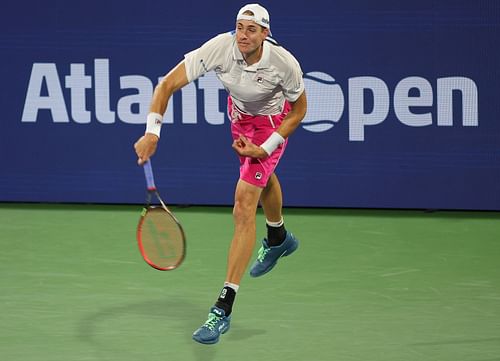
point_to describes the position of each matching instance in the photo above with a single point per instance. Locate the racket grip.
(148, 172)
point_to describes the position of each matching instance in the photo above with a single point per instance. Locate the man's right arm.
(145, 147)
(173, 81)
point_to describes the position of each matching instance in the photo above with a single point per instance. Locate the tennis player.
(266, 103)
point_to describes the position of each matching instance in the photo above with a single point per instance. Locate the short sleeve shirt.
(258, 89)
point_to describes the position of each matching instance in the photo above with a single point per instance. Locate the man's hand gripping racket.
(160, 236)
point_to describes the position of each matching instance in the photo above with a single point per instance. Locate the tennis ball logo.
(325, 102)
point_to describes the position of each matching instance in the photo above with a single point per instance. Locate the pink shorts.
(257, 128)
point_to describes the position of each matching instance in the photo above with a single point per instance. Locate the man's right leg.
(241, 249)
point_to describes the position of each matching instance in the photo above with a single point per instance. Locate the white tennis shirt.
(260, 88)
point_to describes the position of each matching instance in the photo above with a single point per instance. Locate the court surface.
(364, 285)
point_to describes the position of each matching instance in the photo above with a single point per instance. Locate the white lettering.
(102, 102)
(211, 87)
(77, 82)
(403, 102)
(144, 88)
(468, 89)
(54, 101)
(358, 119)
(369, 99)
(189, 105)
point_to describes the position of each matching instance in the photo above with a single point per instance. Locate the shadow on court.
(178, 317)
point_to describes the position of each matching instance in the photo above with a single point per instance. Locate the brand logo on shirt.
(258, 175)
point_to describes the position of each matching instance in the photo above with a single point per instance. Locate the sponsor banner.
(402, 106)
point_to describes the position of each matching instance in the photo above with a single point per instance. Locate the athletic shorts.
(257, 129)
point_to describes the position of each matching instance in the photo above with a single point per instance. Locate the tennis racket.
(160, 236)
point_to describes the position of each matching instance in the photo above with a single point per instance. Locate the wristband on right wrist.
(153, 123)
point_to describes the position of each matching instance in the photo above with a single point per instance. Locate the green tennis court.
(365, 285)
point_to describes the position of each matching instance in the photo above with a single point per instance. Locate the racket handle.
(148, 172)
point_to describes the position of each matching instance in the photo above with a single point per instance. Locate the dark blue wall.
(404, 108)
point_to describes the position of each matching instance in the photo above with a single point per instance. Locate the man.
(266, 103)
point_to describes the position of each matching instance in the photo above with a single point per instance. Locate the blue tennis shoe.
(216, 325)
(269, 256)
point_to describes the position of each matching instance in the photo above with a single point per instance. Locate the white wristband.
(153, 123)
(273, 142)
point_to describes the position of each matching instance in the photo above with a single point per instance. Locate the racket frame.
(148, 208)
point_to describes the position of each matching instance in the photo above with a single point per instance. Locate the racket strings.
(161, 238)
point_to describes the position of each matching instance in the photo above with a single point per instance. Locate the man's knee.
(245, 202)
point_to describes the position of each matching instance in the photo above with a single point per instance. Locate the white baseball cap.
(260, 15)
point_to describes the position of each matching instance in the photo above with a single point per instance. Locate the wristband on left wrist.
(273, 142)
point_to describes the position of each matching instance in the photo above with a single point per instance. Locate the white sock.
(275, 224)
(232, 285)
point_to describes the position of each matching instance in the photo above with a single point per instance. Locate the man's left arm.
(294, 116)
(246, 148)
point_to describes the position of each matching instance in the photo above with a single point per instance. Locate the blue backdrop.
(403, 102)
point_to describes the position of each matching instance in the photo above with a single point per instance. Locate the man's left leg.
(278, 243)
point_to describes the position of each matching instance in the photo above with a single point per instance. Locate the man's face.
(249, 36)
